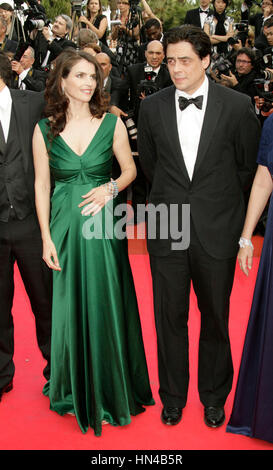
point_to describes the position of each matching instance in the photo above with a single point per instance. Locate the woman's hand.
(50, 255)
(83, 19)
(245, 258)
(95, 200)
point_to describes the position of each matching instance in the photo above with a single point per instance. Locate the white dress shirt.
(5, 110)
(189, 124)
(21, 77)
(203, 17)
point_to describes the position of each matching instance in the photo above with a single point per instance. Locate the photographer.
(153, 31)
(48, 43)
(258, 19)
(143, 80)
(127, 34)
(95, 20)
(25, 76)
(146, 78)
(264, 42)
(242, 79)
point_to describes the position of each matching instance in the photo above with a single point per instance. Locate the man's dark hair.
(249, 52)
(152, 22)
(268, 23)
(199, 40)
(5, 68)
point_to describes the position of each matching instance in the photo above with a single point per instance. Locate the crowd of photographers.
(128, 45)
(241, 59)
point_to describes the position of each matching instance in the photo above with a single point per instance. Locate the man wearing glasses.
(244, 75)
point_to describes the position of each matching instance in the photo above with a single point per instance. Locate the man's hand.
(47, 33)
(16, 67)
(229, 80)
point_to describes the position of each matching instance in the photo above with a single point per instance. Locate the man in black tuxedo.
(136, 74)
(20, 238)
(48, 44)
(197, 146)
(197, 16)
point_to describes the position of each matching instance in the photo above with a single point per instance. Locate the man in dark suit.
(114, 85)
(20, 238)
(136, 74)
(197, 16)
(49, 43)
(264, 43)
(25, 77)
(197, 146)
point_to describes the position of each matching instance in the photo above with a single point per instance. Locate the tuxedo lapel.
(211, 119)
(168, 115)
(197, 17)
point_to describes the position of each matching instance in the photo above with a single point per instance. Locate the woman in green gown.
(98, 365)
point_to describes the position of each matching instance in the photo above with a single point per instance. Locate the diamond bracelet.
(244, 242)
(112, 188)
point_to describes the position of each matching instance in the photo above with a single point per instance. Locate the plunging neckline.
(88, 146)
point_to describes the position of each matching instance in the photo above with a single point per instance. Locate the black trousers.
(212, 281)
(20, 241)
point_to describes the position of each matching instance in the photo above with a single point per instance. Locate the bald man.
(114, 85)
(136, 75)
(138, 72)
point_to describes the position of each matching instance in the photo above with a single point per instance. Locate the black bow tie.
(184, 102)
(203, 11)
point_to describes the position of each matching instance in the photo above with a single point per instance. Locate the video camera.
(220, 65)
(147, 86)
(35, 15)
(134, 14)
(76, 7)
(241, 35)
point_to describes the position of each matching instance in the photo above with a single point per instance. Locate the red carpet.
(26, 423)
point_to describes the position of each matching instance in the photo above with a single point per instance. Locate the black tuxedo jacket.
(225, 166)
(193, 17)
(28, 108)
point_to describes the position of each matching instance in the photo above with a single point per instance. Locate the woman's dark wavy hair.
(57, 102)
(199, 40)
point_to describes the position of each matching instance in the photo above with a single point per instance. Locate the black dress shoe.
(7, 388)
(214, 416)
(171, 415)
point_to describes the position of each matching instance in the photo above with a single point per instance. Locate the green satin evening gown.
(98, 364)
